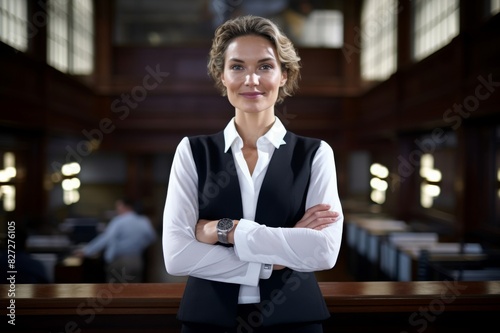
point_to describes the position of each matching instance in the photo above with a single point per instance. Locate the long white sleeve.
(299, 248)
(183, 254)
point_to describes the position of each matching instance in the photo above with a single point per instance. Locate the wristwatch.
(224, 226)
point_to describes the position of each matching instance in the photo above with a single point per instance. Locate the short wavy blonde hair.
(255, 25)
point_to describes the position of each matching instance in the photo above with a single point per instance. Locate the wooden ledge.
(164, 298)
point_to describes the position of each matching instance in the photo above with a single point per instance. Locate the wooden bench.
(426, 306)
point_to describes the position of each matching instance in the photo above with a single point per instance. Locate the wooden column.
(404, 34)
(352, 43)
(103, 43)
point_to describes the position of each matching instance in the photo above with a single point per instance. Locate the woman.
(252, 211)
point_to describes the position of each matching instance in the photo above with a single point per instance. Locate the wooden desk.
(415, 265)
(355, 307)
(365, 236)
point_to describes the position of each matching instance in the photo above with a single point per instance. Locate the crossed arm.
(317, 218)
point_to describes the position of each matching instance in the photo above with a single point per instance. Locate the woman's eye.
(236, 67)
(266, 67)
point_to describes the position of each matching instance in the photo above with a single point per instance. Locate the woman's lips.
(251, 94)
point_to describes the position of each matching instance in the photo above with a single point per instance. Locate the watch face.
(225, 224)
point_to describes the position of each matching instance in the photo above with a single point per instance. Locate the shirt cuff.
(241, 232)
(241, 246)
(266, 271)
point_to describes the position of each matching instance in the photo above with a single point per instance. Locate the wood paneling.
(445, 306)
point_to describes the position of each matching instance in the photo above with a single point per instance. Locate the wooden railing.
(430, 306)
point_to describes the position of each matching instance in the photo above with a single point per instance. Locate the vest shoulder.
(206, 143)
(304, 139)
(206, 140)
(205, 137)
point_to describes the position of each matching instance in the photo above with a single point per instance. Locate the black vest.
(287, 296)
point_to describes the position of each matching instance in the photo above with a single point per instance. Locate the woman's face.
(252, 74)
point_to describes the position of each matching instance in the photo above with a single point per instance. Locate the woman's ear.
(284, 78)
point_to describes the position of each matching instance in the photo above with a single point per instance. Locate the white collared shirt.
(256, 246)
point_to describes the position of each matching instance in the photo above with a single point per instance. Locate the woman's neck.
(252, 126)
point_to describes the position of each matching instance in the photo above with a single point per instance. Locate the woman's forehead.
(250, 47)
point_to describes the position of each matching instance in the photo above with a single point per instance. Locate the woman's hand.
(317, 217)
(206, 231)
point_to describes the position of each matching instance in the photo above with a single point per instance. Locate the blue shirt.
(126, 235)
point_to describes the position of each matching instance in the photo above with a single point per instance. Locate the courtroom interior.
(96, 95)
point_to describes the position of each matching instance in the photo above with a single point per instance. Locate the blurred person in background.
(124, 241)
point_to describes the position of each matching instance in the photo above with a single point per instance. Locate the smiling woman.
(273, 45)
(251, 244)
(252, 75)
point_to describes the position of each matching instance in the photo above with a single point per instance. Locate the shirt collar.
(275, 134)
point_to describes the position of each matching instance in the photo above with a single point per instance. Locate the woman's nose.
(252, 80)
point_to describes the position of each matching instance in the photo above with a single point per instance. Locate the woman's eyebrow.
(236, 60)
(261, 60)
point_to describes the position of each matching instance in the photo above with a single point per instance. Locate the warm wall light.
(379, 170)
(429, 188)
(9, 162)
(70, 197)
(433, 175)
(70, 183)
(377, 183)
(427, 170)
(70, 169)
(8, 195)
(498, 179)
(9, 170)
(8, 191)
(378, 196)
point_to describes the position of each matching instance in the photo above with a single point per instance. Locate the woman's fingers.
(318, 217)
